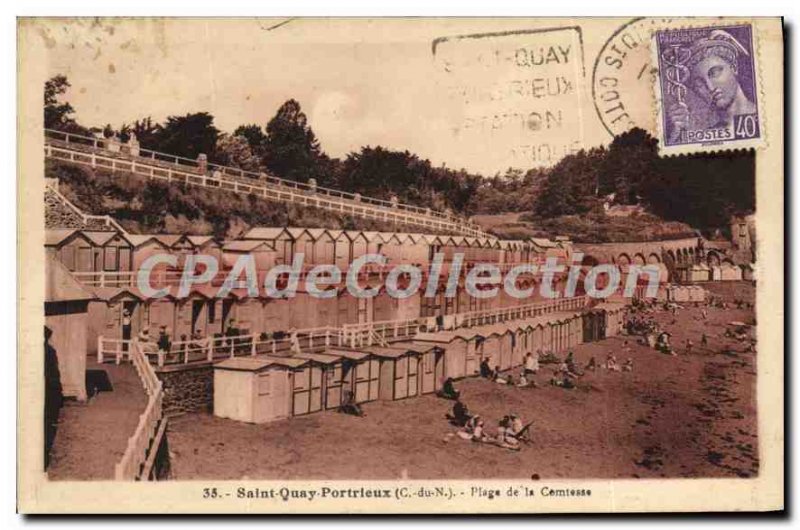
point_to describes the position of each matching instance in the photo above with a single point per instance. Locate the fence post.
(100, 349)
(210, 353)
(253, 345)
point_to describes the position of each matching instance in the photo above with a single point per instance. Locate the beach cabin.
(325, 378)
(408, 369)
(84, 252)
(262, 252)
(278, 238)
(461, 358)
(342, 245)
(497, 345)
(324, 247)
(360, 373)
(65, 320)
(415, 250)
(391, 247)
(206, 245)
(253, 389)
(144, 247)
(359, 244)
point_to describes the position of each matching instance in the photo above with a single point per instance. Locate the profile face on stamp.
(707, 82)
(714, 75)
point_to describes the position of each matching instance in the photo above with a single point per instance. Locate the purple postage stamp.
(708, 88)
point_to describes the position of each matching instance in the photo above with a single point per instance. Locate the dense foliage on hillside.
(153, 207)
(701, 190)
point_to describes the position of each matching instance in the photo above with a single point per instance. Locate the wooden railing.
(216, 348)
(94, 152)
(144, 441)
(314, 339)
(86, 218)
(368, 333)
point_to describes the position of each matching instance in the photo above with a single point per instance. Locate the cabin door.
(364, 310)
(414, 380)
(198, 322)
(316, 390)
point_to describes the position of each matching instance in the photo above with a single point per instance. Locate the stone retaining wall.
(187, 389)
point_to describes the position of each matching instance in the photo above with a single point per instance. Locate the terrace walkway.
(112, 156)
(92, 436)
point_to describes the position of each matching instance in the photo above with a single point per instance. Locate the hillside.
(153, 207)
(587, 228)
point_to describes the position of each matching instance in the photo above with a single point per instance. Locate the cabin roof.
(99, 238)
(260, 232)
(413, 346)
(321, 358)
(245, 364)
(138, 240)
(345, 353)
(55, 236)
(61, 286)
(291, 362)
(243, 245)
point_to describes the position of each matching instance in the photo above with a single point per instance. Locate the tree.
(187, 136)
(235, 151)
(629, 163)
(254, 134)
(57, 114)
(291, 149)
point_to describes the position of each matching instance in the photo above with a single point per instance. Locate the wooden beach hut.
(252, 389)
(360, 373)
(325, 372)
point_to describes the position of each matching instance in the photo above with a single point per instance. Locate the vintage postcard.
(446, 265)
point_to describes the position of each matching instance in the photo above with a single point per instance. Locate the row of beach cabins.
(109, 258)
(263, 388)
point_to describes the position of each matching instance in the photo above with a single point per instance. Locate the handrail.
(208, 349)
(218, 173)
(85, 217)
(140, 443)
(365, 332)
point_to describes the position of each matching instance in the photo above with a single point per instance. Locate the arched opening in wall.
(691, 255)
(685, 254)
(713, 259)
(669, 262)
(639, 259)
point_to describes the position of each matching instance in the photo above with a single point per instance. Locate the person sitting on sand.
(628, 366)
(611, 362)
(486, 370)
(349, 405)
(505, 435)
(522, 381)
(592, 365)
(497, 378)
(479, 433)
(571, 365)
(461, 414)
(515, 422)
(531, 363)
(448, 390)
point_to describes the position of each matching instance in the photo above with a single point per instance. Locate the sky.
(519, 94)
